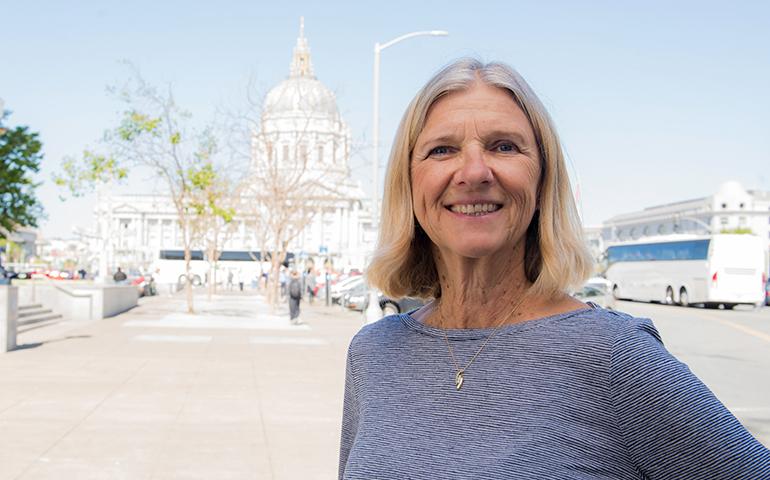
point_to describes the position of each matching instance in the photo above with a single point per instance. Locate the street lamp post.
(373, 311)
(376, 110)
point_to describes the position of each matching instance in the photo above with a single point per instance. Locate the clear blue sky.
(655, 101)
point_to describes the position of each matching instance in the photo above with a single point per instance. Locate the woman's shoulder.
(379, 333)
(608, 326)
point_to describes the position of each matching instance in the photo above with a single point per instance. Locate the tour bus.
(721, 269)
(169, 267)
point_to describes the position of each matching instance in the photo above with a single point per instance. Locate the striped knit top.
(589, 394)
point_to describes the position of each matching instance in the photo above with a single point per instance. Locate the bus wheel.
(684, 299)
(182, 280)
(669, 296)
(196, 281)
(729, 306)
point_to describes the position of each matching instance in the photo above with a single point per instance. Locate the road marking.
(181, 320)
(174, 338)
(744, 329)
(286, 341)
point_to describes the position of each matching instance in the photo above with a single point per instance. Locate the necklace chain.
(460, 372)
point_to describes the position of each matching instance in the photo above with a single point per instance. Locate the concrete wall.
(8, 316)
(87, 302)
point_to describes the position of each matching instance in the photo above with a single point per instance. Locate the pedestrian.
(310, 285)
(119, 276)
(295, 296)
(229, 279)
(239, 279)
(503, 374)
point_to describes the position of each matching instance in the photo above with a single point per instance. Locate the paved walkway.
(234, 392)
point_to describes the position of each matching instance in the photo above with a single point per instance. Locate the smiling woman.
(503, 374)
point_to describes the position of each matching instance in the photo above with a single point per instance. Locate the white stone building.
(731, 208)
(300, 120)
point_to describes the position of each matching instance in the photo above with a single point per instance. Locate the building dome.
(302, 94)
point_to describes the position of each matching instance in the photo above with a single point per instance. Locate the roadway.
(729, 350)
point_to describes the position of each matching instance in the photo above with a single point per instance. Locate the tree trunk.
(188, 283)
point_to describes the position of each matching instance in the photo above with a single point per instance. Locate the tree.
(213, 201)
(19, 160)
(82, 175)
(155, 132)
(285, 188)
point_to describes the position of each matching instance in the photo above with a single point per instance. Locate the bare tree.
(286, 183)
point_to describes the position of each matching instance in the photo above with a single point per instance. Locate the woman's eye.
(506, 147)
(443, 150)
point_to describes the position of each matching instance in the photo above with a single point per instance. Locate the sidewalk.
(234, 392)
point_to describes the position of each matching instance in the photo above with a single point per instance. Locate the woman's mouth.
(475, 210)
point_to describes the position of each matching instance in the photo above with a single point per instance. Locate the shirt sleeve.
(349, 415)
(673, 426)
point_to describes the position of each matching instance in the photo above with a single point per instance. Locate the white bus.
(168, 267)
(722, 269)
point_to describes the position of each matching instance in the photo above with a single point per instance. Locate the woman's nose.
(474, 169)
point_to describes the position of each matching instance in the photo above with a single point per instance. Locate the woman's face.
(475, 173)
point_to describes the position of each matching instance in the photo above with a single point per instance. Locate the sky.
(655, 101)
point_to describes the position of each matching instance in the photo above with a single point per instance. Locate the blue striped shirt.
(589, 394)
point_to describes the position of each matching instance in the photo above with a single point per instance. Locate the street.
(729, 350)
(236, 392)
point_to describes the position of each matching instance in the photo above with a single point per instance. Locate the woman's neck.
(480, 293)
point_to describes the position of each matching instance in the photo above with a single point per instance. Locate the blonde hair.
(556, 257)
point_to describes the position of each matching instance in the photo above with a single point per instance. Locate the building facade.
(300, 121)
(731, 209)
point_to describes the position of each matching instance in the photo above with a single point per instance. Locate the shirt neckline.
(476, 333)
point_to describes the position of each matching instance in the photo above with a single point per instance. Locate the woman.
(503, 374)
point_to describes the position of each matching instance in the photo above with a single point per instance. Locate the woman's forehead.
(482, 107)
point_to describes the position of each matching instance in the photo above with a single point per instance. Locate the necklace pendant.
(459, 378)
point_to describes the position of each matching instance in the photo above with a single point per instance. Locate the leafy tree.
(19, 160)
(153, 131)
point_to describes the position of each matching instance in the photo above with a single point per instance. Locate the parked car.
(357, 298)
(596, 294)
(342, 287)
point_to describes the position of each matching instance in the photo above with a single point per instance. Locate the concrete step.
(30, 306)
(41, 324)
(33, 312)
(39, 318)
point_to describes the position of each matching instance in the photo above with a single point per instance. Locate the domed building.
(303, 138)
(301, 143)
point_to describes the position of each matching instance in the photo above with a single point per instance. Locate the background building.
(299, 120)
(731, 209)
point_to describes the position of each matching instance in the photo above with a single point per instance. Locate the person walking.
(295, 295)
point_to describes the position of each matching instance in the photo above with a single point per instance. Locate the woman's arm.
(349, 415)
(674, 427)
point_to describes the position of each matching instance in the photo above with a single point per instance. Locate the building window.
(334, 152)
(742, 221)
(303, 153)
(724, 205)
(285, 153)
(723, 220)
(269, 149)
(661, 229)
(740, 205)
(320, 153)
